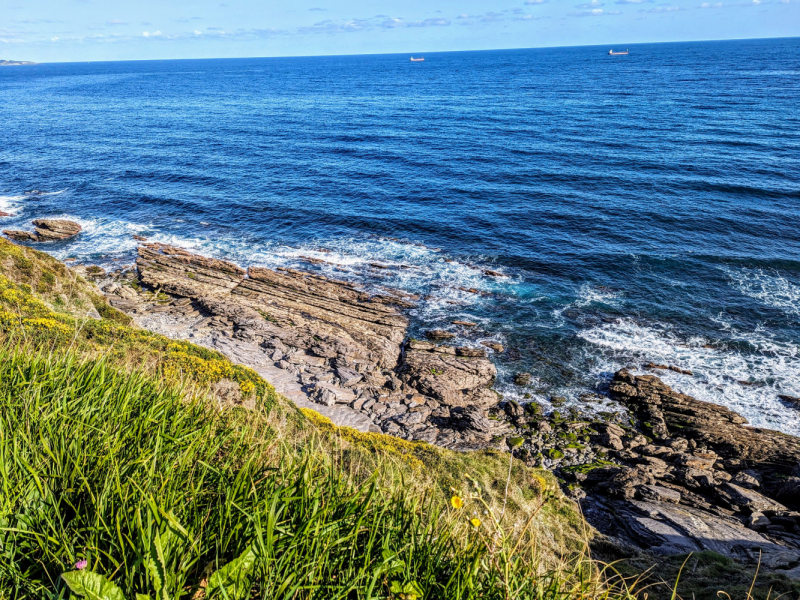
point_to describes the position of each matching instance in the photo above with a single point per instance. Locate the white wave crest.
(452, 288)
(768, 287)
(746, 382)
(10, 203)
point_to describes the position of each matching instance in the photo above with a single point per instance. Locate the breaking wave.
(768, 287)
(746, 381)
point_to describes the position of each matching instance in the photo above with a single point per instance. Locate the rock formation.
(704, 481)
(46, 230)
(343, 347)
(673, 475)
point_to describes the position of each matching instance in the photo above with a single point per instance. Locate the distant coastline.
(15, 63)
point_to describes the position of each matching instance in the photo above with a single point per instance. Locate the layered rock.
(327, 318)
(344, 346)
(449, 378)
(46, 230)
(182, 273)
(705, 480)
(668, 414)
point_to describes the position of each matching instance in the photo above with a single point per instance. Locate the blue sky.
(78, 30)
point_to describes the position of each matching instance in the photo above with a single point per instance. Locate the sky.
(96, 30)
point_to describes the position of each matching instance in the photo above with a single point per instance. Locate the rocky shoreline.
(672, 475)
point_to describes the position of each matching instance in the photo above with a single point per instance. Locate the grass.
(157, 490)
(116, 450)
(707, 575)
(162, 470)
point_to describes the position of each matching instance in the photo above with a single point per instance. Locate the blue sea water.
(640, 208)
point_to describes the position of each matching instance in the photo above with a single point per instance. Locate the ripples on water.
(640, 208)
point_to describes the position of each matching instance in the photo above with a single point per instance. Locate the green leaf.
(156, 566)
(234, 577)
(92, 585)
(142, 597)
(408, 591)
(391, 563)
(412, 590)
(515, 442)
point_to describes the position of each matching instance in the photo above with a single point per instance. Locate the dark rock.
(465, 323)
(522, 378)
(439, 334)
(747, 479)
(669, 414)
(494, 346)
(757, 520)
(788, 490)
(21, 236)
(471, 417)
(744, 499)
(656, 493)
(668, 529)
(514, 410)
(420, 345)
(49, 230)
(471, 352)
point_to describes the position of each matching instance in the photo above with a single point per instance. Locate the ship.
(612, 53)
(417, 59)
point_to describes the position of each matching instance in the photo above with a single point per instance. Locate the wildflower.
(456, 502)
(81, 564)
(475, 522)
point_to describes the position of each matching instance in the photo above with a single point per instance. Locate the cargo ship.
(417, 59)
(612, 53)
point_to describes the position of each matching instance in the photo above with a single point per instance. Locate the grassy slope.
(115, 449)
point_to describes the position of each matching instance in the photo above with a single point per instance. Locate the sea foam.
(747, 382)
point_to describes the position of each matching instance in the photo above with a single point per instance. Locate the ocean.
(640, 208)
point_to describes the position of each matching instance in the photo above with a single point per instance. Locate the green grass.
(157, 490)
(708, 575)
(115, 449)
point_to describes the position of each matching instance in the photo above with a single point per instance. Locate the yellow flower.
(456, 502)
(475, 522)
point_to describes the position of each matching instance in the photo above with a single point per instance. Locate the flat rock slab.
(286, 383)
(46, 230)
(669, 529)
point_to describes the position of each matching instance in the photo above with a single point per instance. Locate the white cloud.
(156, 33)
(54, 39)
(663, 9)
(393, 23)
(115, 22)
(597, 12)
(592, 4)
(529, 2)
(197, 32)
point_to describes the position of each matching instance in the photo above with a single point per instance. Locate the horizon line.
(620, 44)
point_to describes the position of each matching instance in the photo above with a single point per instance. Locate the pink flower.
(81, 564)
